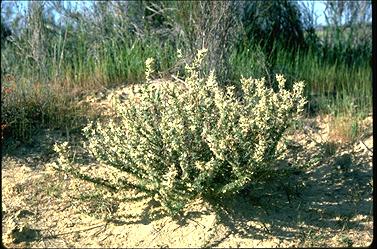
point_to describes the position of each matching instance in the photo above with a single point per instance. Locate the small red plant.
(4, 128)
(8, 90)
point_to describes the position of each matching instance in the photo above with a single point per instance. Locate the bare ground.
(326, 201)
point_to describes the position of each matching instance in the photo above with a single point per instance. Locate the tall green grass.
(339, 88)
(46, 96)
(77, 64)
(332, 88)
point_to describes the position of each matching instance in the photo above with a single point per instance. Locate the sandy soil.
(326, 201)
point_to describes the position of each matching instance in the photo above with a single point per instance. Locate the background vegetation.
(53, 53)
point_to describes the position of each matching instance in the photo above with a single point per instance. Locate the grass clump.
(27, 106)
(182, 140)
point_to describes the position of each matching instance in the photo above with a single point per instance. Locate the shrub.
(181, 140)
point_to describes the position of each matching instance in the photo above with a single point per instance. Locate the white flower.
(281, 81)
(149, 70)
(179, 53)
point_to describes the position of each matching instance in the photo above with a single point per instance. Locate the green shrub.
(181, 140)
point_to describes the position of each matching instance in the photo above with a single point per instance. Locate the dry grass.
(344, 129)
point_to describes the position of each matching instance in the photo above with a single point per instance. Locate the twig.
(366, 146)
(158, 231)
(197, 222)
(265, 227)
(176, 78)
(77, 231)
(103, 228)
(306, 132)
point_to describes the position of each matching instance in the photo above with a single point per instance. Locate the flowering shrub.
(181, 140)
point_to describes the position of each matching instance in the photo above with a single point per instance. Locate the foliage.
(212, 24)
(45, 65)
(273, 22)
(181, 140)
(329, 85)
(347, 36)
(102, 44)
(5, 32)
